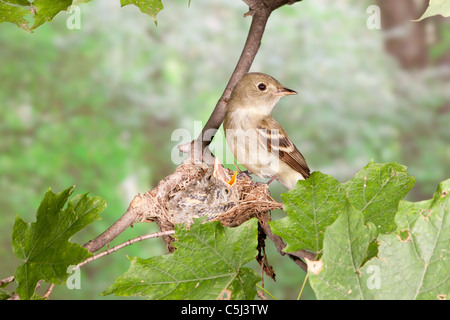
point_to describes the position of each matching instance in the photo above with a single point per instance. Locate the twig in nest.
(122, 245)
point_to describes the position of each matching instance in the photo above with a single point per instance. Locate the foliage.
(44, 247)
(41, 11)
(208, 264)
(21, 12)
(412, 262)
(210, 260)
(150, 7)
(316, 203)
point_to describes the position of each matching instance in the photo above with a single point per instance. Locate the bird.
(212, 195)
(256, 139)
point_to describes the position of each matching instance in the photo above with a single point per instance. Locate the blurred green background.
(95, 107)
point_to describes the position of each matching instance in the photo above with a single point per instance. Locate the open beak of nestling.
(220, 174)
(233, 179)
(285, 92)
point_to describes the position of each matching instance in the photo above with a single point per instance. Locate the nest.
(254, 200)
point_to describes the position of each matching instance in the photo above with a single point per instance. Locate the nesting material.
(252, 199)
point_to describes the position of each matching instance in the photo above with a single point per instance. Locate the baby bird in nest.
(210, 196)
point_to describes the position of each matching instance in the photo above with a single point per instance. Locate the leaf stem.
(303, 286)
(265, 291)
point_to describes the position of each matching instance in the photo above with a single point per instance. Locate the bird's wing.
(273, 137)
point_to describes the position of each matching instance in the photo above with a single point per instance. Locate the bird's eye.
(227, 191)
(262, 86)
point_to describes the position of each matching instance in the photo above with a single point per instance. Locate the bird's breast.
(242, 139)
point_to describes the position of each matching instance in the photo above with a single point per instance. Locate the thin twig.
(49, 291)
(97, 256)
(122, 245)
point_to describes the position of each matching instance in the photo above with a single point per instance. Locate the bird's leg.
(245, 174)
(241, 174)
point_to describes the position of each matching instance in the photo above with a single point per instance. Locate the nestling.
(256, 139)
(210, 196)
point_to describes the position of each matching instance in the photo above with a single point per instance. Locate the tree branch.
(260, 10)
(122, 245)
(129, 217)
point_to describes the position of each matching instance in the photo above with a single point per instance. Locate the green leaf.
(436, 7)
(44, 247)
(377, 189)
(315, 203)
(415, 266)
(208, 260)
(413, 262)
(46, 10)
(14, 11)
(344, 249)
(150, 7)
(42, 11)
(312, 206)
(4, 295)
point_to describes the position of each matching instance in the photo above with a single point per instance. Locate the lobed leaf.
(345, 246)
(412, 263)
(208, 261)
(377, 189)
(44, 246)
(46, 10)
(312, 206)
(150, 7)
(14, 11)
(315, 203)
(42, 11)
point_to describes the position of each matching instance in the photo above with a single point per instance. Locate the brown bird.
(256, 139)
(210, 196)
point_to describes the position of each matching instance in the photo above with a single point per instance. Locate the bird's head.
(259, 91)
(224, 186)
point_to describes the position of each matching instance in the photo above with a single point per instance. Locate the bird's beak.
(233, 179)
(285, 92)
